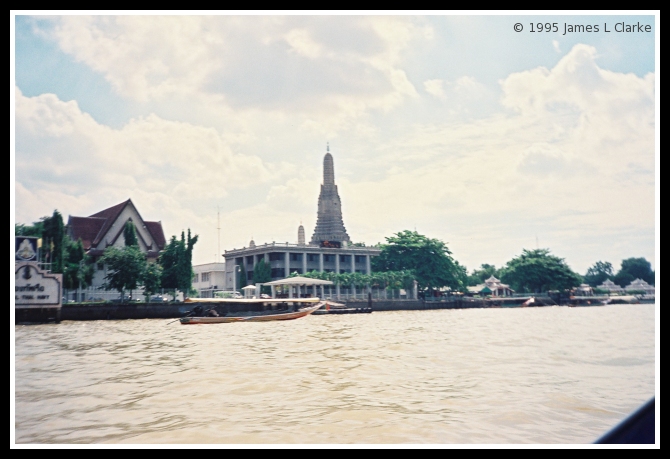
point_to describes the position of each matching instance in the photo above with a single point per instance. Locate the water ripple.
(532, 375)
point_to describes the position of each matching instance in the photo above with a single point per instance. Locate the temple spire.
(329, 225)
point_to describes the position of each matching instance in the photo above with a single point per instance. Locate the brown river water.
(544, 375)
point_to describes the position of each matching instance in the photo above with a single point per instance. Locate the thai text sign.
(36, 288)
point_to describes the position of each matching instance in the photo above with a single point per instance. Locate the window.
(296, 256)
(276, 256)
(204, 277)
(277, 272)
(344, 258)
(195, 277)
(312, 257)
(360, 258)
(328, 258)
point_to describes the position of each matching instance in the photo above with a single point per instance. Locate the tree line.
(431, 263)
(406, 257)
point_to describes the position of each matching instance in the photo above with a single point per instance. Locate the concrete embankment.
(118, 311)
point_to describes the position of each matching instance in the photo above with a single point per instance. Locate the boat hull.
(252, 318)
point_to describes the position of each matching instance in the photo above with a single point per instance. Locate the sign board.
(36, 288)
(25, 248)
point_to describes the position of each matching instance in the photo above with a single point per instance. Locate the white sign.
(36, 288)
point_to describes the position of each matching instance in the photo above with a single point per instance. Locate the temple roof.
(92, 229)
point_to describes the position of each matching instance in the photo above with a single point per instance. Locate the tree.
(242, 278)
(187, 267)
(126, 268)
(77, 266)
(176, 263)
(478, 276)
(130, 234)
(262, 274)
(429, 260)
(598, 273)
(35, 229)
(634, 268)
(53, 234)
(538, 271)
(151, 279)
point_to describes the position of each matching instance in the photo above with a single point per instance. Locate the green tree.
(186, 263)
(170, 264)
(176, 261)
(53, 235)
(478, 276)
(242, 278)
(262, 274)
(78, 267)
(634, 268)
(126, 268)
(598, 273)
(130, 234)
(36, 229)
(151, 279)
(429, 260)
(536, 271)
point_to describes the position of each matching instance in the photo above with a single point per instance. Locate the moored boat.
(288, 309)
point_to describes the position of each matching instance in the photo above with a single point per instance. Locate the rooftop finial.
(327, 147)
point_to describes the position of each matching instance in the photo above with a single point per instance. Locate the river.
(544, 375)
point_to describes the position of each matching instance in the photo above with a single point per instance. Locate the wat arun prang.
(329, 225)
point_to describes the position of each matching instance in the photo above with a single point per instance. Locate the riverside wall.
(123, 311)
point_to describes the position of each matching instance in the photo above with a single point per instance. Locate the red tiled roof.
(85, 228)
(156, 230)
(92, 229)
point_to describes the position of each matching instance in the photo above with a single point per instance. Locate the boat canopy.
(299, 280)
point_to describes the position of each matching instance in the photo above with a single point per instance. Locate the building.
(209, 278)
(329, 250)
(493, 287)
(641, 285)
(105, 229)
(610, 287)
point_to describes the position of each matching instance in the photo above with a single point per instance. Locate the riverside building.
(329, 250)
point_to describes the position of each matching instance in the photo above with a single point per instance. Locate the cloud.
(275, 62)
(63, 149)
(435, 87)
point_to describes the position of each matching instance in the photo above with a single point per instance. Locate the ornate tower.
(329, 225)
(301, 234)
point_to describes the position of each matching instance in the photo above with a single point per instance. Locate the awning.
(299, 280)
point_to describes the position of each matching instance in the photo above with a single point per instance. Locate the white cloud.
(277, 62)
(302, 43)
(62, 149)
(435, 87)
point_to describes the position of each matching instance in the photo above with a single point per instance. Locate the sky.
(493, 133)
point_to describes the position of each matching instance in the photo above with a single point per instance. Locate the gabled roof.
(85, 228)
(156, 230)
(92, 229)
(110, 215)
